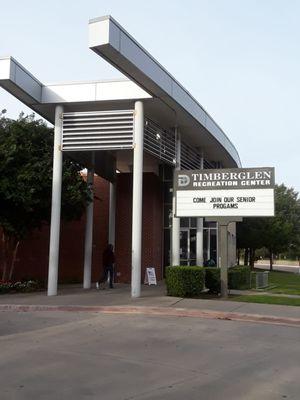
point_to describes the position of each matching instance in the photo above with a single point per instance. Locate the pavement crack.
(176, 302)
(237, 308)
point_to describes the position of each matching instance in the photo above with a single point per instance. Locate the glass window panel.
(168, 173)
(193, 233)
(184, 222)
(213, 245)
(184, 245)
(210, 224)
(193, 222)
(205, 245)
(167, 216)
(167, 247)
(168, 193)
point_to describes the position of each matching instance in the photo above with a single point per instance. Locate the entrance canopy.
(110, 40)
(166, 102)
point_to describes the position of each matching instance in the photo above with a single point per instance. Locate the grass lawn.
(285, 282)
(265, 299)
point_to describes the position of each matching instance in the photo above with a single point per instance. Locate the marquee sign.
(238, 192)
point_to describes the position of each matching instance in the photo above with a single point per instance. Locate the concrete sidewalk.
(153, 297)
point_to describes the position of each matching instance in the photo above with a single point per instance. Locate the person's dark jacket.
(108, 257)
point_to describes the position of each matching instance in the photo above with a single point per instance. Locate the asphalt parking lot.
(88, 355)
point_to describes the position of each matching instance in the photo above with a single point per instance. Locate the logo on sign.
(183, 180)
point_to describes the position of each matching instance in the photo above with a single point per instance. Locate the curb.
(159, 311)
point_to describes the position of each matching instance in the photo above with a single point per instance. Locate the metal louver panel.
(190, 158)
(208, 165)
(98, 130)
(161, 143)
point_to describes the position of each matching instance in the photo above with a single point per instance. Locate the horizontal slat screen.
(159, 142)
(98, 130)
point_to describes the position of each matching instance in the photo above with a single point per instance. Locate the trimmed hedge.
(213, 279)
(238, 278)
(184, 281)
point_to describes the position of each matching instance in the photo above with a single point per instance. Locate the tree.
(281, 231)
(249, 238)
(26, 148)
(277, 233)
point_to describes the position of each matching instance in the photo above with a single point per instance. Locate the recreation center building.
(130, 134)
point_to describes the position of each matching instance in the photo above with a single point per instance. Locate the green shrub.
(239, 277)
(184, 281)
(213, 279)
(5, 287)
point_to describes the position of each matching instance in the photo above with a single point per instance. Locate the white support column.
(199, 235)
(137, 200)
(112, 214)
(199, 242)
(175, 242)
(56, 203)
(88, 245)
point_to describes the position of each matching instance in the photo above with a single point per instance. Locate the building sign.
(239, 192)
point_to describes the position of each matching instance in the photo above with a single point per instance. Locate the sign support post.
(223, 249)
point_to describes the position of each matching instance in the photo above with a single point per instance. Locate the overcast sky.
(239, 58)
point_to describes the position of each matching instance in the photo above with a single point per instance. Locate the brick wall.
(32, 260)
(152, 244)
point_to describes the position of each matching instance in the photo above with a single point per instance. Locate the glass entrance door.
(184, 246)
(188, 246)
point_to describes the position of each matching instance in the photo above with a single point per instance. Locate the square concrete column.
(137, 200)
(223, 255)
(56, 203)
(223, 249)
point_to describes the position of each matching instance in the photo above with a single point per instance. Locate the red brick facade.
(152, 242)
(32, 260)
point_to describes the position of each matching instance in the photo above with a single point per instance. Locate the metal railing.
(190, 158)
(159, 142)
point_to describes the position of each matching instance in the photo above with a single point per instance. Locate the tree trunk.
(252, 258)
(271, 260)
(14, 257)
(4, 256)
(246, 256)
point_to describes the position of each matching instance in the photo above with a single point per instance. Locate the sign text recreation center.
(238, 192)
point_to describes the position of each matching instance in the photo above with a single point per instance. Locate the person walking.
(108, 260)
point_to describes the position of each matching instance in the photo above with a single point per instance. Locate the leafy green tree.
(277, 233)
(249, 238)
(26, 148)
(281, 231)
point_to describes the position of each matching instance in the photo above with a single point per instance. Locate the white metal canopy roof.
(110, 40)
(165, 100)
(42, 98)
